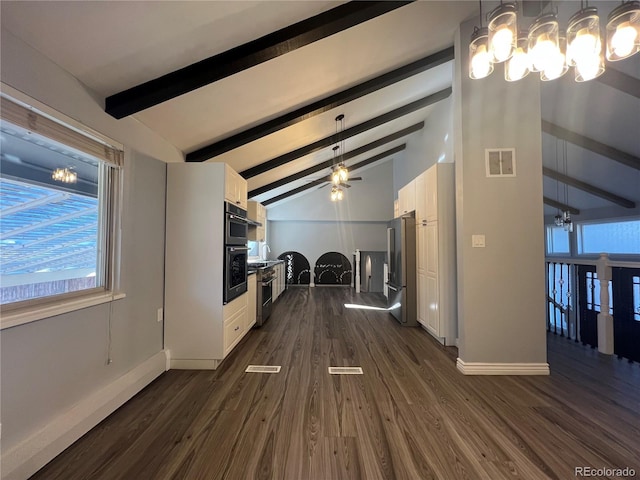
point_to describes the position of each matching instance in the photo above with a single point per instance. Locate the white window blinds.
(36, 122)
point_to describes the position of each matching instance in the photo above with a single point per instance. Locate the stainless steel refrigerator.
(401, 258)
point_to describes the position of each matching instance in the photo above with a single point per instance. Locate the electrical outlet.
(160, 315)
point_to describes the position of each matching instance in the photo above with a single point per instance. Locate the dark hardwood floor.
(412, 415)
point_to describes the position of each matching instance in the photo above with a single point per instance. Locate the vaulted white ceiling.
(114, 46)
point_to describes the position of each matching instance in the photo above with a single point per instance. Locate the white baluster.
(605, 320)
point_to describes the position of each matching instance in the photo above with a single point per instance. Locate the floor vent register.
(345, 370)
(263, 369)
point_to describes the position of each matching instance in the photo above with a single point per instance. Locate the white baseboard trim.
(30, 455)
(476, 368)
(194, 364)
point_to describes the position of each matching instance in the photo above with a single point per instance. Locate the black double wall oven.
(236, 252)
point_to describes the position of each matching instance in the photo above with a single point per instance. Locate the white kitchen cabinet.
(277, 287)
(235, 314)
(235, 187)
(407, 198)
(256, 211)
(252, 300)
(199, 330)
(436, 260)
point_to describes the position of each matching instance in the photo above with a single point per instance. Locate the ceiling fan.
(339, 184)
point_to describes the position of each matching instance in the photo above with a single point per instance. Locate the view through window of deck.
(54, 217)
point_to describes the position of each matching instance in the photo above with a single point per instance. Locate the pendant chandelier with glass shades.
(547, 49)
(339, 174)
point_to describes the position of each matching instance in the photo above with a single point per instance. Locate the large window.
(557, 241)
(57, 197)
(617, 237)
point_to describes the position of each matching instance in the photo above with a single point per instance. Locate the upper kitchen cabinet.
(256, 211)
(407, 198)
(235, 187)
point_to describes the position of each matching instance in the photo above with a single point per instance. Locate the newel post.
(605, 320)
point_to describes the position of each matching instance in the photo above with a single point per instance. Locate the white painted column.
(605, 320)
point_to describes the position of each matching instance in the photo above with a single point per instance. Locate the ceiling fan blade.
(355, 178)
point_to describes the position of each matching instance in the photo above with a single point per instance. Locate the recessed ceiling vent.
(501, 162)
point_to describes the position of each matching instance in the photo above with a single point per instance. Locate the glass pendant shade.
(503, 32)
(557, 64)
(334, 194)
(480, 65)
(623, 31)
(335, 177)
(558, 220)
(343, 173)
(542, 41)
(518, 66)
(583, 37)
(591, 67)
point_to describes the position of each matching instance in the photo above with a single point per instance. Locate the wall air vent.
(500, 162)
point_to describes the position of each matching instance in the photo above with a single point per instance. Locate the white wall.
(52, 365)
(434, 143)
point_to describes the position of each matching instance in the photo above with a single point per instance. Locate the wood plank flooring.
(412, 415)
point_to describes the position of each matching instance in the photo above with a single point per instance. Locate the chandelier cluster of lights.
(547, 49)
(64, 175)
(339, 174)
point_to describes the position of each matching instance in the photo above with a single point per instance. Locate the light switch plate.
(477, 241)
(160, 315)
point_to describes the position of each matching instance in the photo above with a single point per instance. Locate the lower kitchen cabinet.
(235, 315)
(279, 281)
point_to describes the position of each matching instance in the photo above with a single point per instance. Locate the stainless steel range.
(265, 277)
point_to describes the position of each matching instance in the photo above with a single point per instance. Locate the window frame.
(110, 196)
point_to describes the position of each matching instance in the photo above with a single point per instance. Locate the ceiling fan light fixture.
(543, 41)
(336, 194)
(518, 66)
(502, 32)
(480, 65)
(623, 31)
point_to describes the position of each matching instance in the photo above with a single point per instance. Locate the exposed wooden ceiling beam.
(347, 156)
(349, 132)
(320, 181)
(245, 56)
(321, 106)
(621, 81)
(586, 187)
(590, 144)
(561, 206)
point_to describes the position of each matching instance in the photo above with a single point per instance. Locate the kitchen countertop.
(253, 266)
